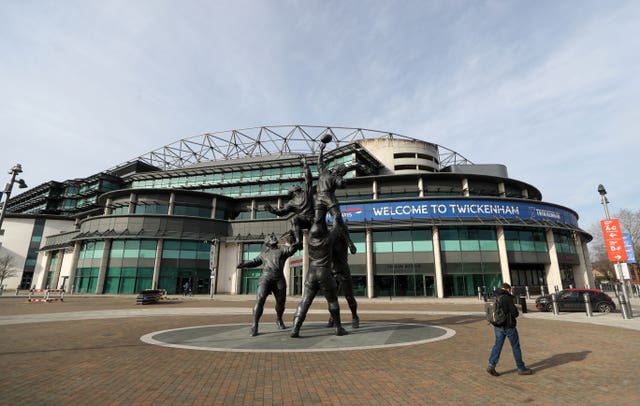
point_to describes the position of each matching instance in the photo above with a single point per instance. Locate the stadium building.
(425, 220)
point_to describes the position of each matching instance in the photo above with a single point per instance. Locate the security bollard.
(542, 290)
(526, 288)
(555, 304)
(623, 306)
(587, 304)
(479, 293)
(523, 303)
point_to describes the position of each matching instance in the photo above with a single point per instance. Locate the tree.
(6, 268)
(630, 222)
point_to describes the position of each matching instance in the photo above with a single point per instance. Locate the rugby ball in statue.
(326, 138)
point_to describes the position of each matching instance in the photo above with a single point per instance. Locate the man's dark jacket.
(509, 307)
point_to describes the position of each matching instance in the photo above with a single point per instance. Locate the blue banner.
(441, 209)
(628, 247)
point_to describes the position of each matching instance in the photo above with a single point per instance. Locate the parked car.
(572, 300)
(150, 296)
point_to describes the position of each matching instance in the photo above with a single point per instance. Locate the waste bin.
(523, 303)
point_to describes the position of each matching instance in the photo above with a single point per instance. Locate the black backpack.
(495, 312)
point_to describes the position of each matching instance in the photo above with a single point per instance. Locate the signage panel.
(613, 241)
(455, 209)
(628, 247)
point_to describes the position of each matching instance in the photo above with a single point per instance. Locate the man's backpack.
(495, 312)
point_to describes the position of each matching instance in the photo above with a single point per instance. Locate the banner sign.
(628, 247)
(440, 209)
(613, 241)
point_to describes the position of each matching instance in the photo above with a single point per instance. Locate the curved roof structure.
(267, 140)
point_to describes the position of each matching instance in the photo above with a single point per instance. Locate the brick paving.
(102, 361)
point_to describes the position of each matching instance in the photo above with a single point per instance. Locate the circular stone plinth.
(313, 337)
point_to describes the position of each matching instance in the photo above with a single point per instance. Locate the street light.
(603, 197)
(7, 190)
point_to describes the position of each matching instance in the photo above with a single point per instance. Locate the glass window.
(382, 241)
(117, 249)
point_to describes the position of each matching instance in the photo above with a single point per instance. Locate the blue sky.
(548, 88)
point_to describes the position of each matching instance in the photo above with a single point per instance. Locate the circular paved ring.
(313, 337)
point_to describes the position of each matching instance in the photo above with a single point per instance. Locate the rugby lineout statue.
(327, 249)
(321, 245)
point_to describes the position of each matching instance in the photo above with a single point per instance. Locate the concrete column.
(465, 187)
(107, 206)
(583, 275)
(156, 264)
(370, 266)
(133, 200)
(74, 267)
(374, 189)
(214, 205)
(437, 262)
(501, 190)
(56, 272)
(553, 269)
(502, 254)
(43, 280)
(286, 269)
(172, 204)
(103, 266)
(253, 209)
(420, 187)
(305, 257)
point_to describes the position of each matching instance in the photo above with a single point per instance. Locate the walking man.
(507, 330)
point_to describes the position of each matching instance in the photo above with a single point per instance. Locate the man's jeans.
(501, 334)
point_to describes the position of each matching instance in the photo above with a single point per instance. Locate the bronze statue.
(319, 275)
(272, 279)
(325, 198)
(342, 273)
(300, 203)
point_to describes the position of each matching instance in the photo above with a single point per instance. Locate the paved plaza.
(107, 350)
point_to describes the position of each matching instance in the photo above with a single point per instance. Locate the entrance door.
(250, 280)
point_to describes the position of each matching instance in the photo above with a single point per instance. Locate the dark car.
(149, 296)
(572, 300)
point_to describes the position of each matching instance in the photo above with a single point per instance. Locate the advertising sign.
(454, 209)
(628, 247)
(613, 241)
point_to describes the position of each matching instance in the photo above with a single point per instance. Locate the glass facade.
(182, 261)
(475, 263)
(130, 267)
(32, 254)
(403, 262)
(527, 240)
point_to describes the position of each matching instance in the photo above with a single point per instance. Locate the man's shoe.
(355, 323)
(526, 371)
(341, 331)
(492, 371)
(330, 323)
(254, 331)
(281, 324)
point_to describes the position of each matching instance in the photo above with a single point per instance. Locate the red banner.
(613, 240)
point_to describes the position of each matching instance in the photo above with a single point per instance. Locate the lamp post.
(17, 168)
(603, 197)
